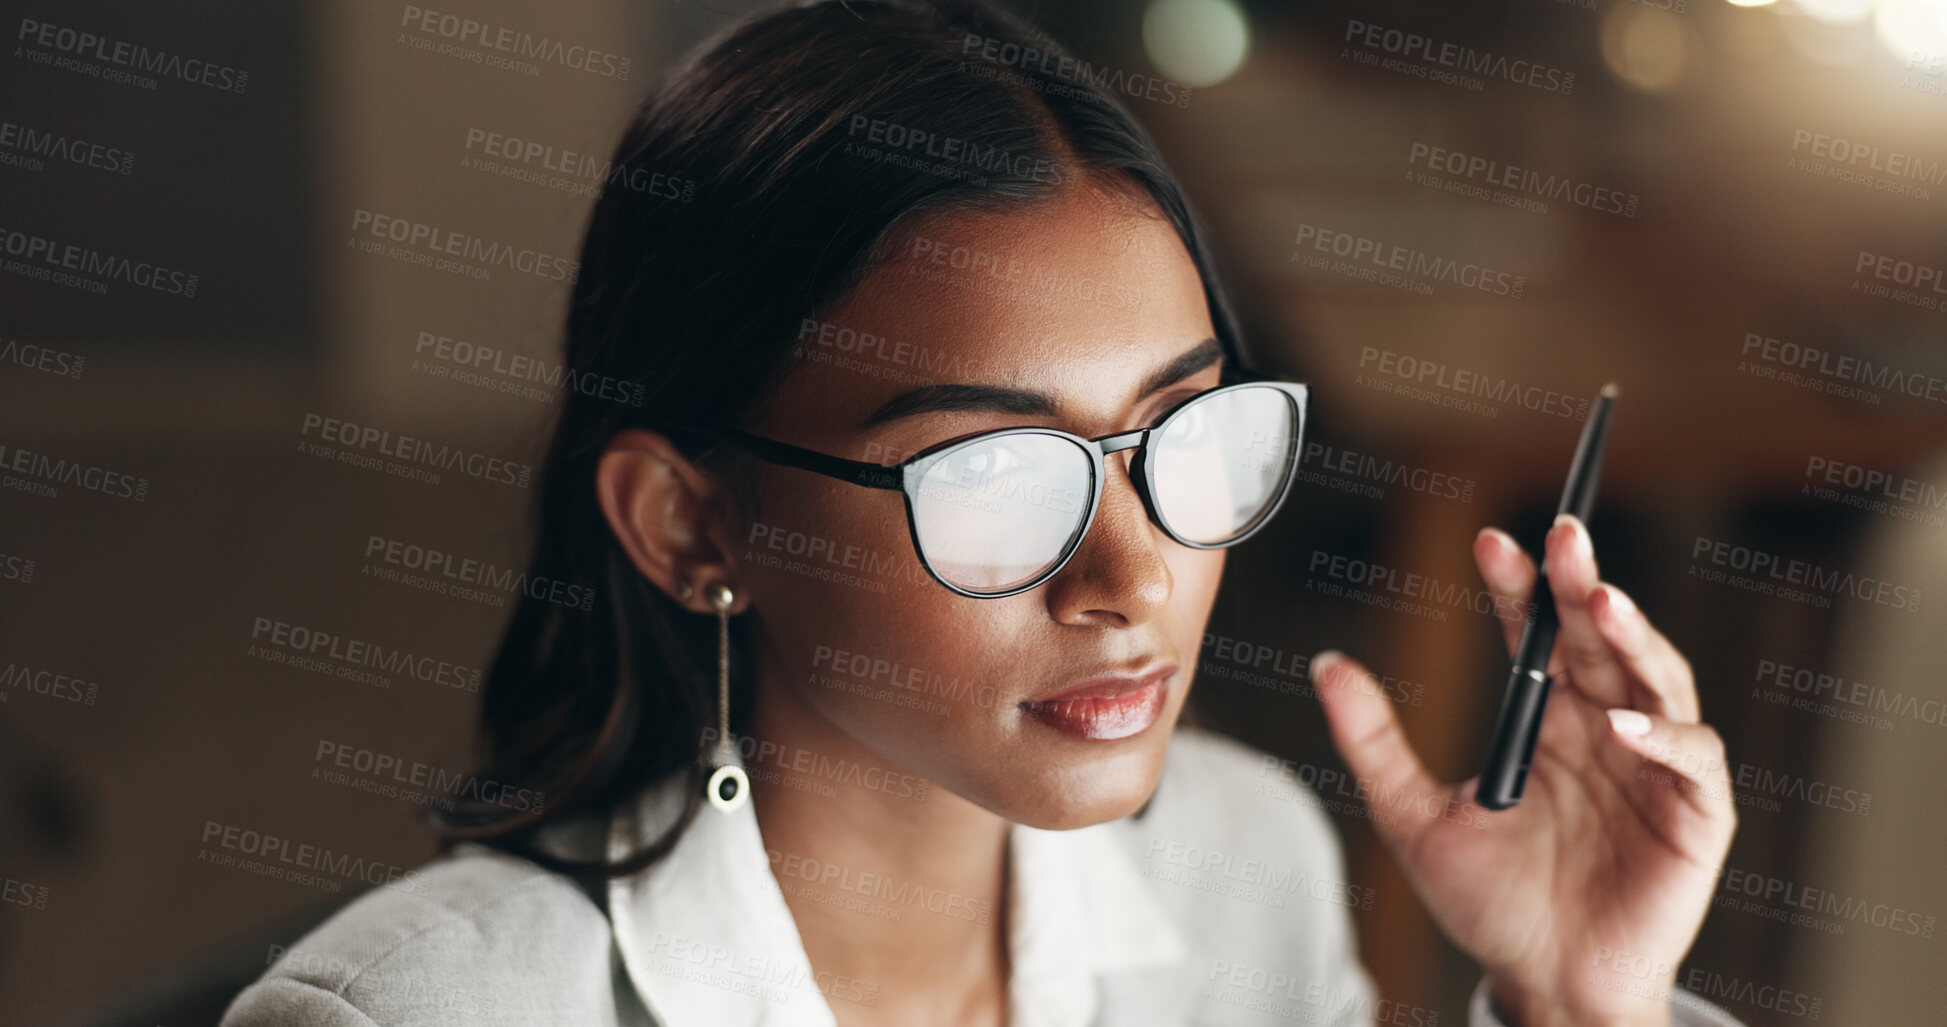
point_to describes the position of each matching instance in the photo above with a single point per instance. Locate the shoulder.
(477, 936)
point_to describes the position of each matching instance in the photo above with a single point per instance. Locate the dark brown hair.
(697, 297)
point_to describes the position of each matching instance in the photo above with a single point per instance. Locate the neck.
(894, 882)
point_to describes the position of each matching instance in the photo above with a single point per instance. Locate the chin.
(1078, 792)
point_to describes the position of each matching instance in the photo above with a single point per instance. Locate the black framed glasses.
(998, 512)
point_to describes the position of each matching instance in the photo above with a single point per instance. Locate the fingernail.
(1617, 601)
(1501, 539)
(1581, 541)
(1322, 661)
(1629, 722)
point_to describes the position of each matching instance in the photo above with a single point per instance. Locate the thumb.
(1368, 737)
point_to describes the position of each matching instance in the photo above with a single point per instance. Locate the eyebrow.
(1003, 399)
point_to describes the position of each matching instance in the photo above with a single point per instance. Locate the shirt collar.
(707, 938)
(1077, 908)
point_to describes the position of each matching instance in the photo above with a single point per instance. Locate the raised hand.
(1580, 902)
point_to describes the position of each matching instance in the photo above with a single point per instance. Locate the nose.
(1117, 576)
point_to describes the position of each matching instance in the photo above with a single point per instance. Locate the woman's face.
(1079, 313)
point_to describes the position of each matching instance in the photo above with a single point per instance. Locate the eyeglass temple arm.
(859, 472)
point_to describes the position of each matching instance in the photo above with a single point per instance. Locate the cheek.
(900, 664)
(813, 539)
(928, 680)
(862, 631)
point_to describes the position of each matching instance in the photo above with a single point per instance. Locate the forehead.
(1080, 296)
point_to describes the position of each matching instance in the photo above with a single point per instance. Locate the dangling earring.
(728, 787)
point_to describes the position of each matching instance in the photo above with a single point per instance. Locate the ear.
(665, 511)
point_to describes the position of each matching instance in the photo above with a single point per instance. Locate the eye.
(1190, 426)
(988, 460)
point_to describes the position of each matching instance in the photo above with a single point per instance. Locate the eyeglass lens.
(995, 513)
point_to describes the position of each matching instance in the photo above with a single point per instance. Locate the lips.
(1107, 707)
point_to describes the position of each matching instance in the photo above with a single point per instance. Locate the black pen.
(1519, 725)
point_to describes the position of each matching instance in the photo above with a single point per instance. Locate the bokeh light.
(1196, 42)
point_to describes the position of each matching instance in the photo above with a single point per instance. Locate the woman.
(813, 759)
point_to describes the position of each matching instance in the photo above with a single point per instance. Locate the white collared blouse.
(1224, 904)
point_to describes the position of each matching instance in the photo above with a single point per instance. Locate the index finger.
(1592, 663)
(1510, 575)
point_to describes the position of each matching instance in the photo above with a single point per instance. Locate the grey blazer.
(1224, 903)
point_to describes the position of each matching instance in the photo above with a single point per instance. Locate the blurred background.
(1455, 221)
